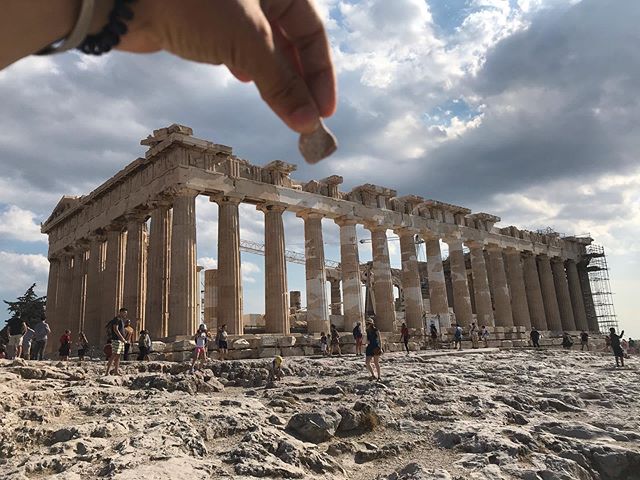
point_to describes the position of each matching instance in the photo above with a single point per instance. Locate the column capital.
(181, 191)
(511, 251)
(569, 261)
(271, 207)
(494, 247)
(375, 227)
(406, 231)
(429, 235)
(474, 244)
(556, 259)
(345, 220)
(137, 217)
(226, 199)
(97, 237)
(116, 225)
(527, 253)
(307, 214)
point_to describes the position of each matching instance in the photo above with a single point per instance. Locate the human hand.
(280, 45)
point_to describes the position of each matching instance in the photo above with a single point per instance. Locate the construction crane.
(289, 255)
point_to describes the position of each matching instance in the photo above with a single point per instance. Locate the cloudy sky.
(528, 109)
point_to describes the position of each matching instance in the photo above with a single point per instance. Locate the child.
(65, 345)
(223, 346)
(83, 346)
(202, 338)
(324, 343)
(335, 340)
(276, 369)
(485, 336)
(144, 345)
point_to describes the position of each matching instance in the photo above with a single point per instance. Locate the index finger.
(300, 23)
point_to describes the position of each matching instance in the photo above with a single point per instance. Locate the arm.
(114, 329)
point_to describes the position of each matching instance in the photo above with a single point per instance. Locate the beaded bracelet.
(79, 32)
(110, 35)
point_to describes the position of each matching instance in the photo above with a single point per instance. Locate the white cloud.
(19, 271)
(19, 224)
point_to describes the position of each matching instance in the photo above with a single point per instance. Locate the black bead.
(110, 35)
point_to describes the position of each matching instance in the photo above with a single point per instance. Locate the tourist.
(42, 331)
(457, 337)
(618, 353)
(584, 340)
(484, 335)
(27, 338)
(632, 346)
(373, 350)
(473, 333)
(144, 345)
(223, 347)
(83, 346)
(116, 336)
(433, 333)
(324, 344)
(357, 336)
(65, 345)
(16, 329)
(567, 341)
(236, 34)
(335, 341)
(607, 343)
(535, 337)
(202, 339)
(275, 373)
(404, 336)
(129, 333)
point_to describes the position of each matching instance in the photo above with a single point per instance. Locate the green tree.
(29, 307)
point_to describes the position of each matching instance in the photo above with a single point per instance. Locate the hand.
(281, 45)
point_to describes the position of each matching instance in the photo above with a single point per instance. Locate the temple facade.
(132, 242)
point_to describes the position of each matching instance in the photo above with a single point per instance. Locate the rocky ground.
(477, 415)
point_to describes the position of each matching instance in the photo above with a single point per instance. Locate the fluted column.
(63, 308)
(76, 299)
(382, 281)
(587, 295)
(551, 310)
(275, 285)
(317, 305)
(135, 270)
(211, 298)
(413, 307)
(112, 275)
(350, 268)
(515, 277)
(562, 294)
(534, 292)
(229, 274)
(336, 297)
(577, 300)
(183, 286)
(158, 274)
(502, 300)
(93, 318)
(482, 293)
(461, 297)
(53, 284)
(439, 303)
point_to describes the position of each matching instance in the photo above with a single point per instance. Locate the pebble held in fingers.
(317, 145)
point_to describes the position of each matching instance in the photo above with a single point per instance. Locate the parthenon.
(102, 256)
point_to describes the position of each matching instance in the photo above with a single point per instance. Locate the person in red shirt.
(65, 345)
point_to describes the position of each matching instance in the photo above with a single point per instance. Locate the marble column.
(461, 297)
(577, 300)
(350, 269)
(63, 307)
(93, 319)
(551, 310)
(229, 274)
(275, 271)
(562, 294)
(587, 296)
(112, 275)
(135, 269)
(515, 277)
(317, 304)
(437, 284)
(158, 272)
(534, 292)
(382, 281)
(410, 279)
(336, 297)
(482, 293)
(53, 284)
(183, 285)
(211, 299)
(502, 299)
(76, 299)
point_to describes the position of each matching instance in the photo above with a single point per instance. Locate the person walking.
(202, 339)
(584, 340)
(41, 335)
(129, 334)
(357, 336)
(335, 341)
(484, 336)
(223, 347)
(535, 337)
(115, 329)
(457, 337)
(404, 336)
(17, 328)
(567, 341)
(83, 346)
(27, 338)
(618, 353)
(433, 333)
(373, 350)
(473, 333)
(144, 345)
(65, 345)
(324, 344)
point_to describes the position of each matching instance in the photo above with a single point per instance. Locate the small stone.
(317, 145)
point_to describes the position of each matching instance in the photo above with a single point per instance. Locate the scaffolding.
(598, 272)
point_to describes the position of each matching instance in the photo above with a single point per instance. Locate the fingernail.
(305, 119)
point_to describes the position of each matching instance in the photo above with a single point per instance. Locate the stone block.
(158, 346)
(267, 352)
(269, 341)
(179, 356)
(499, 330)
(506, 344)
(242, 354)
(291, 351)
(240, 343)
(348, 348)
(287, 341)
(308, 351)
(307, 340)
(183, 345)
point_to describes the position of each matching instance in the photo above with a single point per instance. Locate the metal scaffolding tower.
(600, 288)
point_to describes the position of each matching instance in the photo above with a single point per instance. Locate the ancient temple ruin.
(132, 241)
